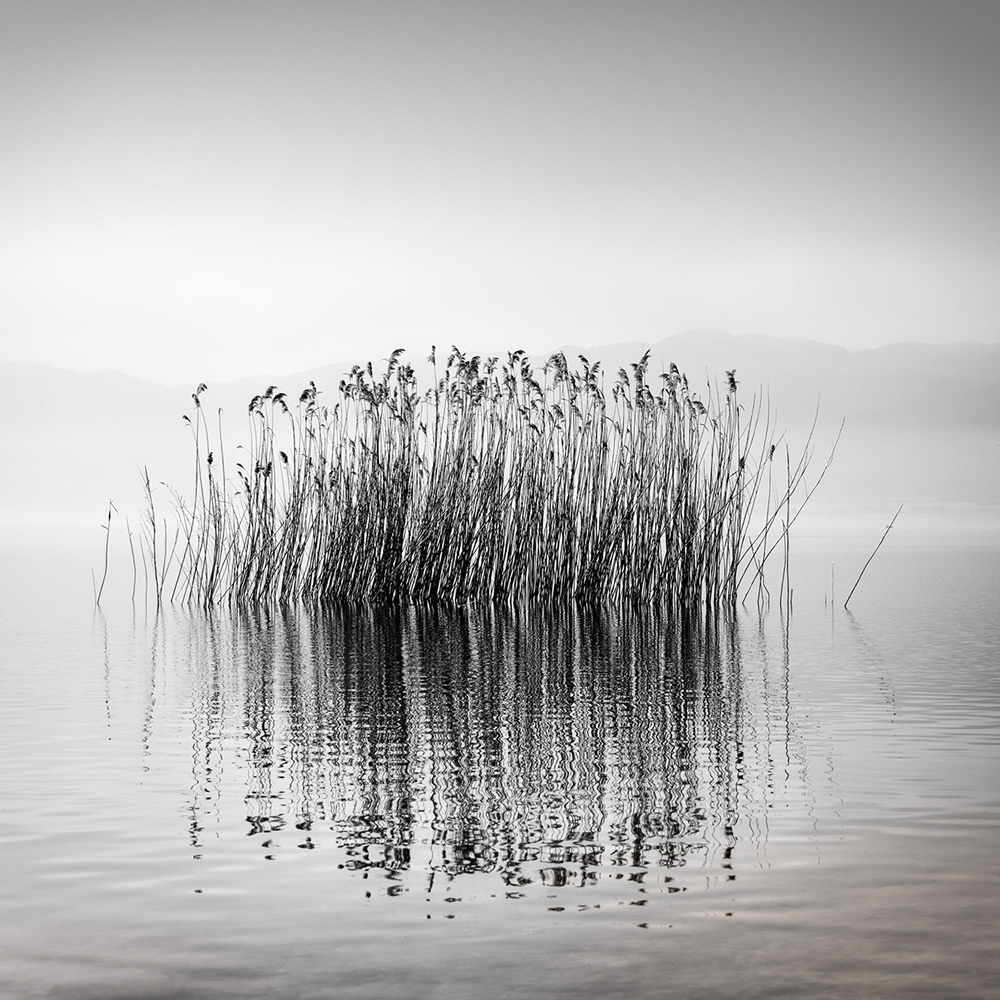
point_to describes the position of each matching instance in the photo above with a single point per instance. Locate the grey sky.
(218, 189)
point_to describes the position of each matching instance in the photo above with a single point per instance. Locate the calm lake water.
(426, 803)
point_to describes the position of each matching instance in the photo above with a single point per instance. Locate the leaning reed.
(499, 483)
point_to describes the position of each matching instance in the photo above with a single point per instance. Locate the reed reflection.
(452, 740)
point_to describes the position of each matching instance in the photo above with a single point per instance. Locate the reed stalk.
(872, 556)
(99, 591)
(500, 482)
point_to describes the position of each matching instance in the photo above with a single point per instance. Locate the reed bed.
(500, 482)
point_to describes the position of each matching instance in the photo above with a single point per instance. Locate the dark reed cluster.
(501, 483)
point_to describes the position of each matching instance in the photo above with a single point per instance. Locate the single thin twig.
(107, 545)
(872, 556)
(131, 548)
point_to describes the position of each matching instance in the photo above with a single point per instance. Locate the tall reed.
(500, 482)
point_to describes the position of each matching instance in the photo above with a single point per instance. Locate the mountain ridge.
(921, 420)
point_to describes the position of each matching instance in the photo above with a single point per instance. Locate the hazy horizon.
(416, 354)
(902, 407)
(216, 190)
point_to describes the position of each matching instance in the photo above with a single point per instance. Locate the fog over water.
(921, 426)
(399, 799)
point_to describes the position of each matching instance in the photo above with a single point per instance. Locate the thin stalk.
(107, 546)
(872, 556)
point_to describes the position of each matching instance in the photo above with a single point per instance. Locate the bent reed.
(499, 483)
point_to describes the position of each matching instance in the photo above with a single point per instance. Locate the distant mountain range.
(922, 422)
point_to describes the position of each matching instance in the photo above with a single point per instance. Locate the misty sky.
(213, 189)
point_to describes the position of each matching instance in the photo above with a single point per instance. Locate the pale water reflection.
(422, 742)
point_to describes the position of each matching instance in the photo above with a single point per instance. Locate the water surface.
(404, 801)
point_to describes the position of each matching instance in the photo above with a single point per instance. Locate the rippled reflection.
(478, 740)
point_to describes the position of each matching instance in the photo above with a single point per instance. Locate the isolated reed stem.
(872, 556)
(107, 547)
